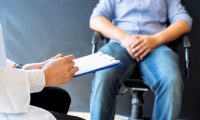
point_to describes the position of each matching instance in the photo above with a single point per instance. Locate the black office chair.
(135, 83)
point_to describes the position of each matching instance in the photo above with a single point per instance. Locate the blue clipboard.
(95, 62)
(93, 71)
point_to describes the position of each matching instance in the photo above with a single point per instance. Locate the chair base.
(122, 117)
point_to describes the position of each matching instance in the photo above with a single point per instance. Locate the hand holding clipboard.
(95, 62)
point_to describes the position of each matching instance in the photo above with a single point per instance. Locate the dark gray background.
(78, 43)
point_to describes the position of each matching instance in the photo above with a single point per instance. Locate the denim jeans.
(160, 71)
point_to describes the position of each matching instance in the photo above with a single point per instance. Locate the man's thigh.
(161, 64)
(121, 72)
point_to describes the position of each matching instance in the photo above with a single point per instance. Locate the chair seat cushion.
(135, 83)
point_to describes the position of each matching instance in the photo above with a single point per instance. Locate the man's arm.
(101, 20)
(104, 26)
(146, 43)
(181, 23)
(173, 32)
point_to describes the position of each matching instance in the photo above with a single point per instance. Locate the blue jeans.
(160, 71)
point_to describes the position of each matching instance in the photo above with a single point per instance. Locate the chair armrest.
(96, 39)
(186, 46)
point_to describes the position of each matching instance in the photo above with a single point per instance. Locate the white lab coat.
(15, 88)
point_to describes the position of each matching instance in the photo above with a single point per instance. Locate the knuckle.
(70, 64)
(72, 56)
(76, 69)
(73, 63)
(69, 57)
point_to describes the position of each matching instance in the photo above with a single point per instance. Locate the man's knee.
(172, 82)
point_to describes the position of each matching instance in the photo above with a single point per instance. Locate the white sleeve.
(16, 86)
(9, 63)
(36, 79)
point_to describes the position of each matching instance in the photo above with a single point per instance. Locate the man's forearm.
(105, 27)
(173, 32)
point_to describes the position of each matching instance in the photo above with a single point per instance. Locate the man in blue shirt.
(138, 31)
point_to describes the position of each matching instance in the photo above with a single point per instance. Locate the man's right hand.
(127, 42)
(60, 70)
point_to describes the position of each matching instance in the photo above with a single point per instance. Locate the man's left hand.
(144, 45)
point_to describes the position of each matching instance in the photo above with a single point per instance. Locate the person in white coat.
(16, 85)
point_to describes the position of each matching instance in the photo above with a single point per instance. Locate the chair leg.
(137, 104)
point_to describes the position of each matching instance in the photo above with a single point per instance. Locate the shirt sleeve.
(176, 11)
(15, 88)
(9, 63)
(104, 8)
(36, 79)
